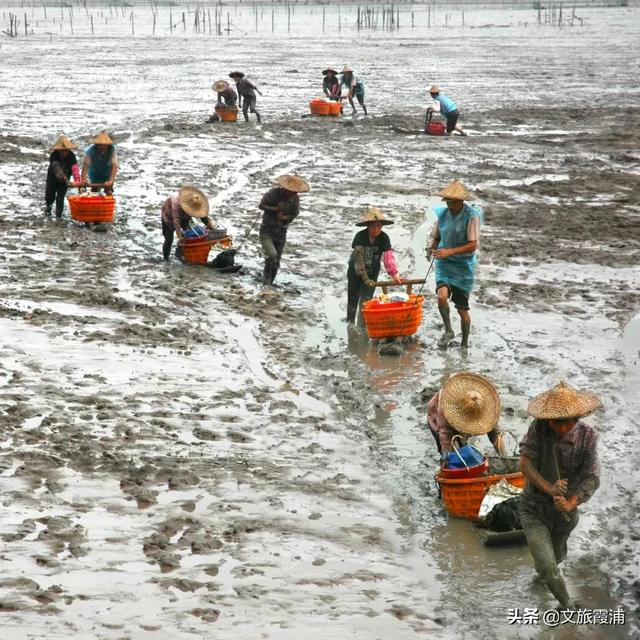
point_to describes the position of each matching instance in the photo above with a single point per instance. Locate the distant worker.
(369, 247)
(355, 87)
(176, 214)
(100, 163)
(246, 95)
(454, 242)
(62, 166)
(447, 107)
(281, 206)
(331, 85)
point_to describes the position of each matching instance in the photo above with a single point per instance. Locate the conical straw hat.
(236, 74)
(346, 69)
(220, 85)
(454, 191)
(470, 403)
(193, 202)
(563, 402)
(102, 138)
(63, 143)
(434, 89)
(372, 214)
(293, 183)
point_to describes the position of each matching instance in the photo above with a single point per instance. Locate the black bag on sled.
(504, 516)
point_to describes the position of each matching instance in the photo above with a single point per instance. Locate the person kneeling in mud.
(281, 206)
(178, 210)
(467, 405)
(369, 246)
(559, 459)
(227, 98)
(62, 166)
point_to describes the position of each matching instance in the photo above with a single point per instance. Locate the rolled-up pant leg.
(547, 549)
(354, 285)
(272, 247)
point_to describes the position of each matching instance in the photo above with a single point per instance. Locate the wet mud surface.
(187, 454)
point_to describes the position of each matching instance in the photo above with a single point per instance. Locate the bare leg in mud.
(443, 307)
(465, 327)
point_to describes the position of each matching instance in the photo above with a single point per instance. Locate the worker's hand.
(441, 254)
(500, 446)
(559, 488)
(397, 279)
(565, 505)
(444, 456)
(368, 281)
(108, 184)
(283, 217)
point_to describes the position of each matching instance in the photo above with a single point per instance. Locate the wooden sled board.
(406, 131)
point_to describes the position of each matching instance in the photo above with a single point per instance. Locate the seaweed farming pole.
(170, 20)
(429, 16)
(273, 20)
(322, 18)
(91, 18)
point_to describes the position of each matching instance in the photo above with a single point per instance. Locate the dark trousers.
(168, 233)
(249, 104)
(357, 292)
(452, 120)
(56, 188)
(272, 247)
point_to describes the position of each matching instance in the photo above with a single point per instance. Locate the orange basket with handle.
(196, 250)
(92, 208)
(227, 114)
(462, 497)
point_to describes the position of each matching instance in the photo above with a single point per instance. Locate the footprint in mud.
(208, 615)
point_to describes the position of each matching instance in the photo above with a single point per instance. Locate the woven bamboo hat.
(470, 403)
(220, 85)
(193, 202)
(293, 183)
(434, 89)
(563, 402)
(236, 74)
(102, 138)
(454, 191)
(324, 73)
(346, 69)
(63, 143)
(373, 214)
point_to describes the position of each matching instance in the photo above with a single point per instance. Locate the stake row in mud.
(158, 20)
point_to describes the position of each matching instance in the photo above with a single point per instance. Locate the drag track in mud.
(188, 454)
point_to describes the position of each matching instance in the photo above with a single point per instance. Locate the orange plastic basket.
(227, 114)
(335, 108)
(95, 208)
(462, 498)
(196, 250)
(319, 107)
(391, 319)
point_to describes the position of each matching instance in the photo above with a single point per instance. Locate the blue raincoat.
(459, 270)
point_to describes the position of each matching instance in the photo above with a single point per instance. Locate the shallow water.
(187, 453)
